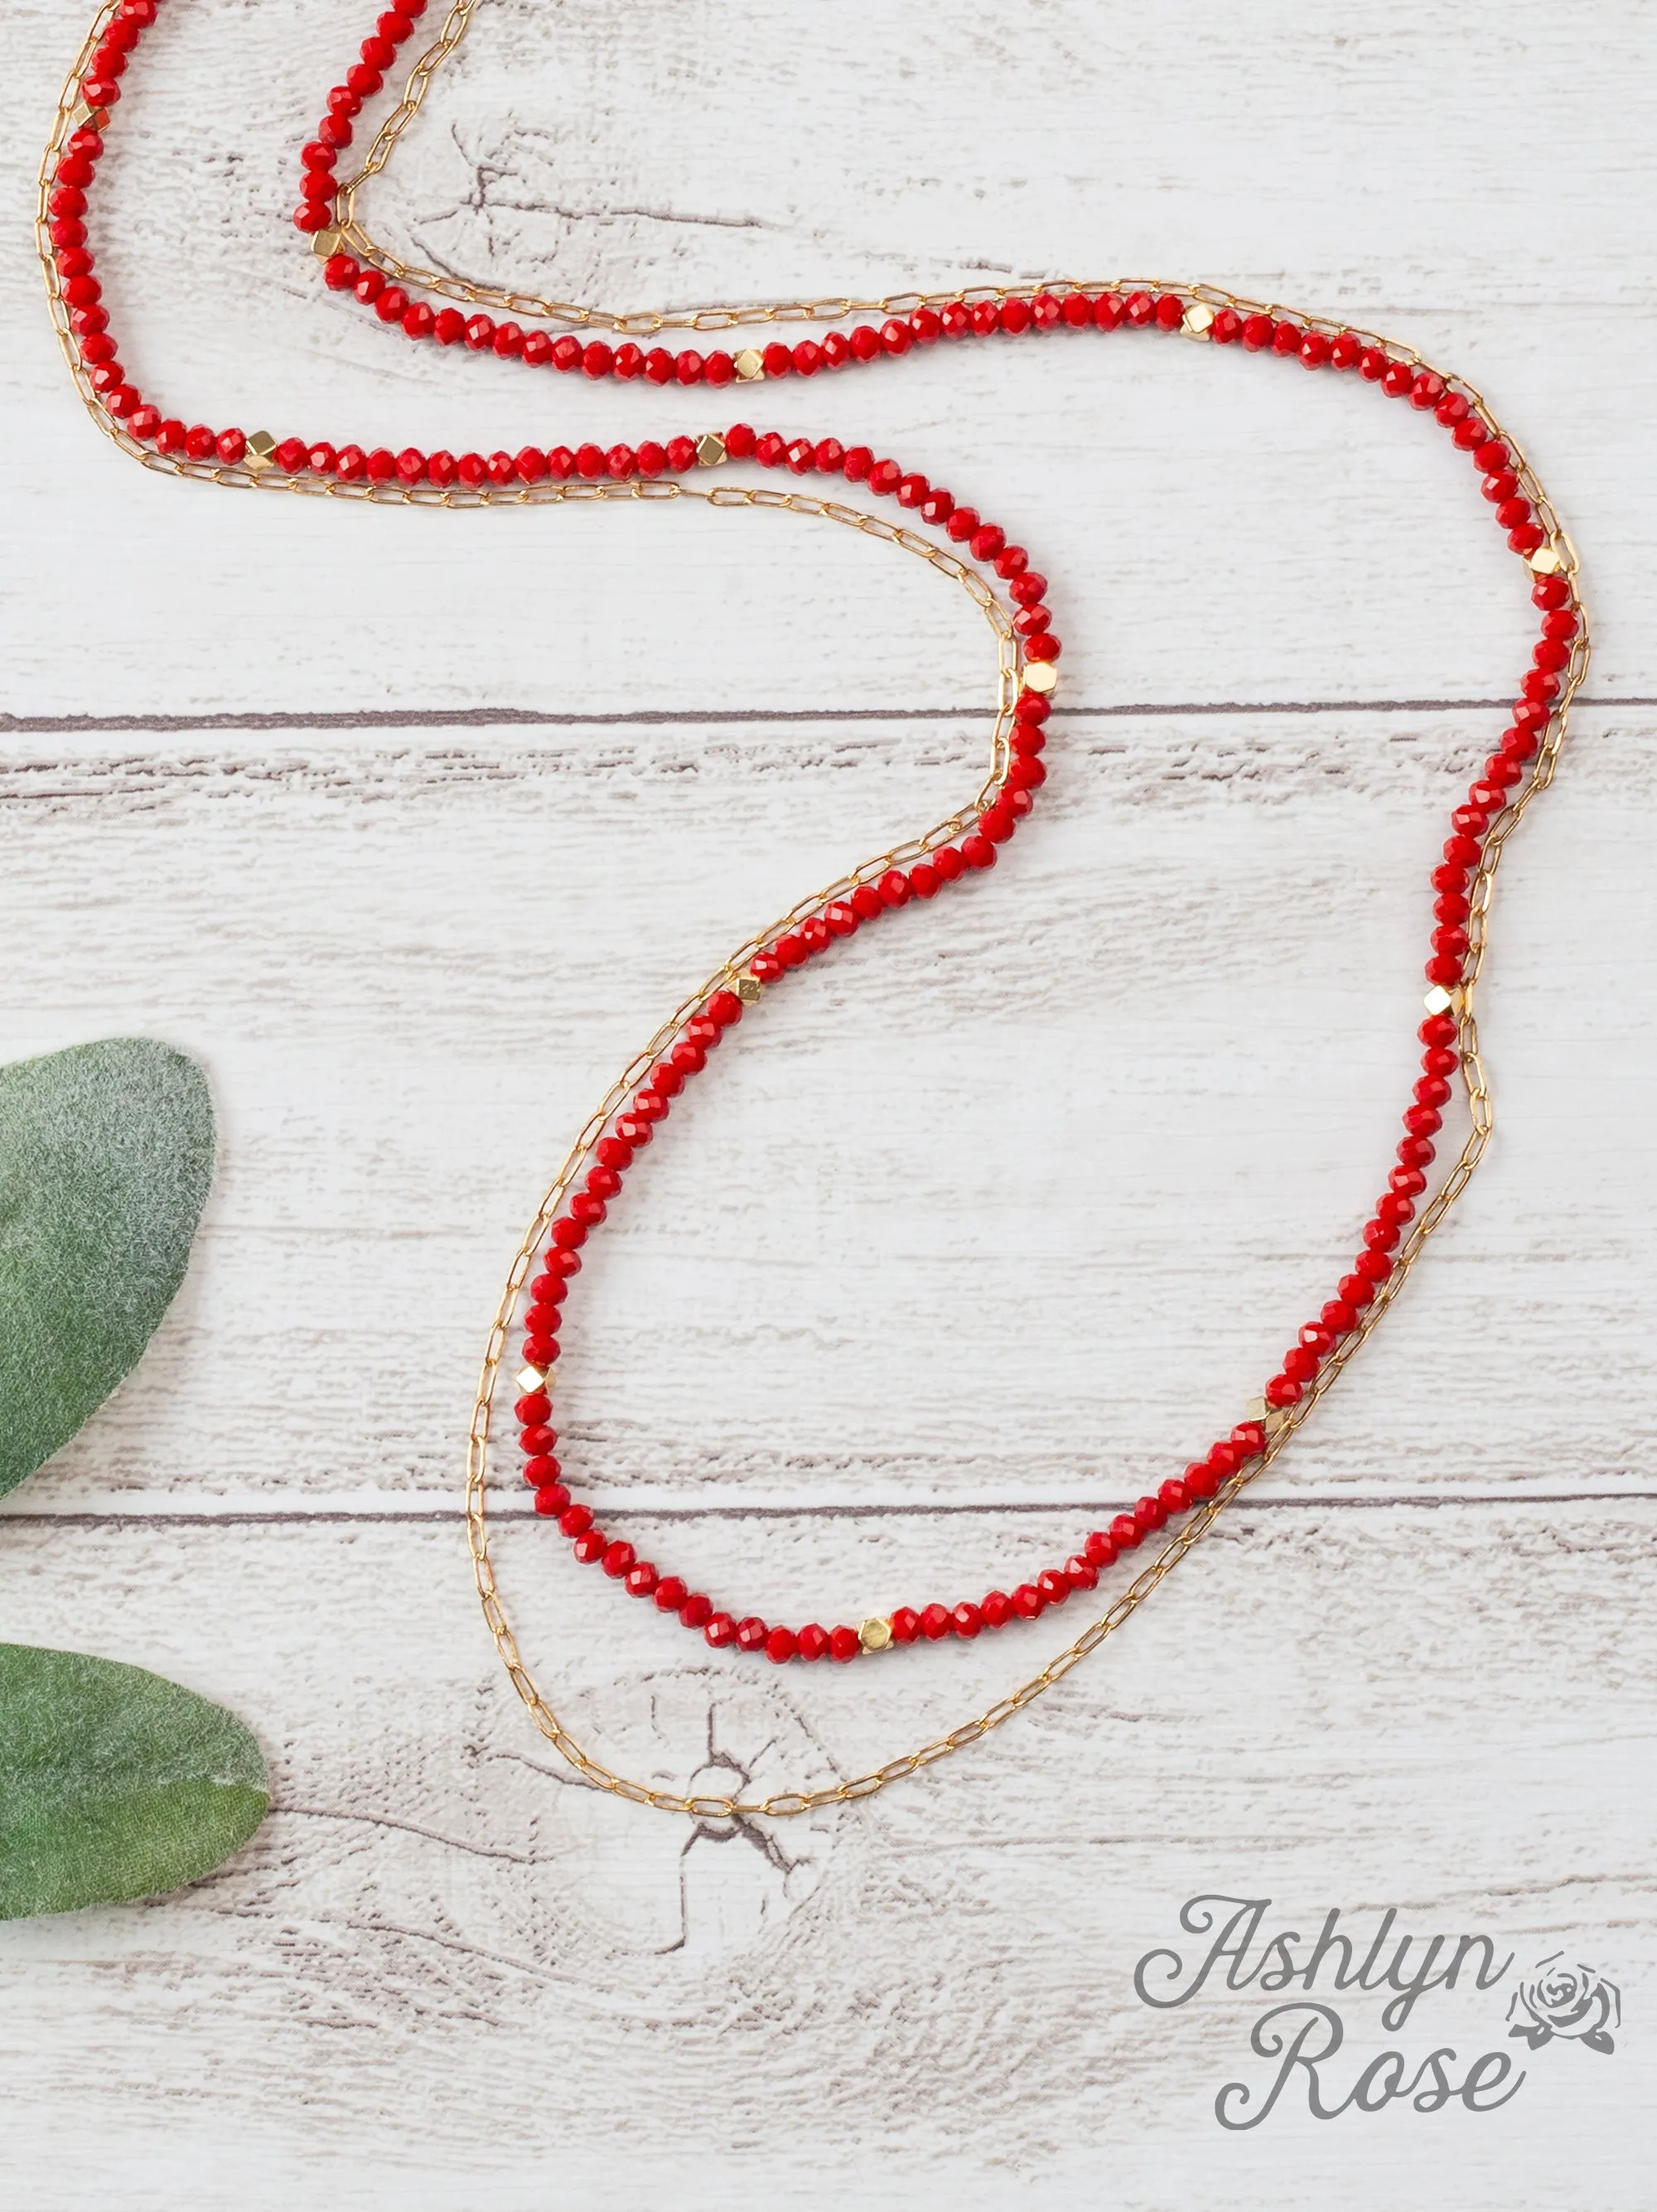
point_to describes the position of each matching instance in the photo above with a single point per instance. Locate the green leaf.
(105, 1156)
(114, 1783)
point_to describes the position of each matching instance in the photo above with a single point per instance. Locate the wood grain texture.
(411, 826)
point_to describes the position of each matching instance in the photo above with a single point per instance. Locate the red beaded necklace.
(945, 859)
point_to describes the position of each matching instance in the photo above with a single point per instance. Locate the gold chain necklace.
(1202, 312)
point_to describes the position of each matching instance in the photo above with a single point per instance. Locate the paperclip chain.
(1281, 1425)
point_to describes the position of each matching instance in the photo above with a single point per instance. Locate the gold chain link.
(1280, 1427)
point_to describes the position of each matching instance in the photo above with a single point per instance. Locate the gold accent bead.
(1199, 319)
(530, 1378)
(750, 365)
(1040, 676)
(1256, 1410)
(710, 449)
(1546, 561)
(324, 244)
(1275, 1420)
(1438, 1000)
(750, 990)
(261, 453)
(875, 1634)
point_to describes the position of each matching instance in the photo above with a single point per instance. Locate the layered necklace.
(945, 862)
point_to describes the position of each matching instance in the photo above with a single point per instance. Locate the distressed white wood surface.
(411, 826)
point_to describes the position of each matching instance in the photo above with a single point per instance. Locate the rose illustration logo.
(1568, 2000)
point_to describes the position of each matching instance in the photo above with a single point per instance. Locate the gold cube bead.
(1199, 319)
(530, 1378)
(710, 449)
(1545, 561)
(1438, 1000)
(750, 990)
(1040, 676)
(1256, 1410)
(324, 244)
(875, 1634)
(750, 365)
(261, 453)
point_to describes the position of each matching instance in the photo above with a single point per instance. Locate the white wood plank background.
(411, 825)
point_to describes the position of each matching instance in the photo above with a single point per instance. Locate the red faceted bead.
(1028, 1601)
(996, 1610)
(844, 1645)
(591, 1547)
(1054, 1585)
(966, 1620)
(697, 1611)
(813, 1641)
(1282, 1390)
(669, 1593)
(1150, 1514)
(619, 1559)
(781, 1645)
(551, 1499)
(935, 1622)
(720, 1630)
(1100, 1548)
(1173, 1496)
(1080, 1574)
(905, 1624)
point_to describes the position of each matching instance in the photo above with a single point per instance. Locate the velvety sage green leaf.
(113, 1782)
(105, 1156)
